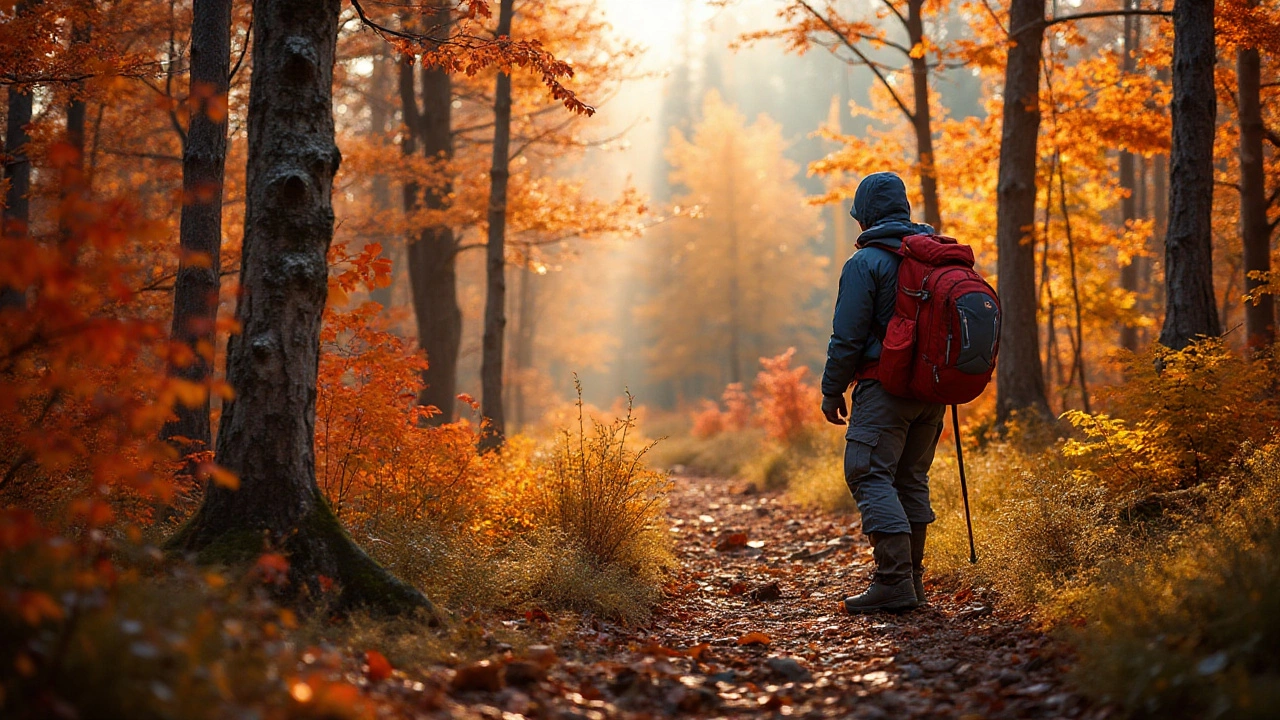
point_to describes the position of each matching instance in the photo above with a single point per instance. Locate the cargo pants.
(891, 442)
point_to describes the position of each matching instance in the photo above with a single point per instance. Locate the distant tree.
(17, 173)
(495, 313)
(1190, 308)
(432, 253)
(204, 155)
(739, 272)
(1255, 227)
(1129, 275)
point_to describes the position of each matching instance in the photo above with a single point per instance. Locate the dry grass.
(590, 538)
(1189, 629)
(722, 455)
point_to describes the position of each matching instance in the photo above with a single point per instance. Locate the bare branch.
(865, 60)
(1047, 22)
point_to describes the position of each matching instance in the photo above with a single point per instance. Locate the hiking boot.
(892, 590)
(919, 532)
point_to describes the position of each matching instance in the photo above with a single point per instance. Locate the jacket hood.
(881, 196)
(881, 205)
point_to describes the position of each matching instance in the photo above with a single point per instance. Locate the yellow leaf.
(188, 393)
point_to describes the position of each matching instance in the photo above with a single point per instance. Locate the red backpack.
(941, 344)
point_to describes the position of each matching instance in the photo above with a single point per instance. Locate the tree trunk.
(17, 171)
(381, 112)
(522, 358)
(433, 257)
(267, 432)
(73, 185)
(1190, 310)
(1019, 378)
(1255, 231)
(734, 294)
(1128, 181)
(921, 122)
(495, 319)
(204, 156)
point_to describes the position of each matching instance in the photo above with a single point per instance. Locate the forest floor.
(752, 626)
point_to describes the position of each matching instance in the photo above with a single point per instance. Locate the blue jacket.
(869, 280)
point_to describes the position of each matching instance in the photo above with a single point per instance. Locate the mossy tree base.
(318, 550)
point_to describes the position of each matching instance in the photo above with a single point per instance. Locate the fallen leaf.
(378, 667)
(732, 541)
(697, 651)
(754, 638)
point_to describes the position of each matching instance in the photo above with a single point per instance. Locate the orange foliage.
(711, 420)
(786, 404)
(377, 461)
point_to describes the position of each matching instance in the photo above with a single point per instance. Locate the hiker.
(891, 440)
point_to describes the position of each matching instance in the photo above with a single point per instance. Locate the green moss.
(365, 584)
(236, 547)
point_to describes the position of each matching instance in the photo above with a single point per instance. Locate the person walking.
(891, 440)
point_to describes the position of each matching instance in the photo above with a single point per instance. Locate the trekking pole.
(964, 487)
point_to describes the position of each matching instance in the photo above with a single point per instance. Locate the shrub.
(786, 404)
(1190, 630)
(1178, 419)
(600, 495)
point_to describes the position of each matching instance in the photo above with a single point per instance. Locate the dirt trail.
(753, 628)
(952, 658)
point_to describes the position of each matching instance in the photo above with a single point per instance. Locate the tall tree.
(433, 255)
(1190, 310)
(1019, 376)
(381, 115)
(267, 432)
(495, 318)
(17, 171)
(204, 156)
(1255, 229)
(1129, 181)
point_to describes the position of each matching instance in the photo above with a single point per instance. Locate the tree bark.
(921, 121)
(204, 157)
(267, 432)
(1255, 231)
(495, 319)
(433, 256)
(17, 170)
(1128, 181)
(1019, 377)
(1190, 310)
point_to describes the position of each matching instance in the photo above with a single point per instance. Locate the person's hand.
(834, 409)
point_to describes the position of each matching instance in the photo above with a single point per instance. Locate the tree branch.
(866, 61)
(1047, 22)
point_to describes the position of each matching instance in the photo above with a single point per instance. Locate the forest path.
(754, 627)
